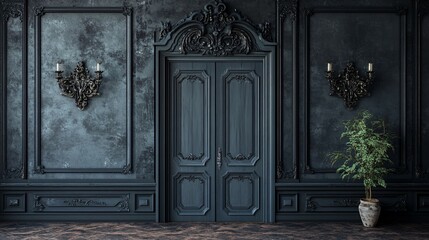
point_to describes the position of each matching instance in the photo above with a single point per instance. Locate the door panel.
(241, 124)
(241, 195)
(214, 157)
(238, 132)
(191, 139)
(191, 194)
(192, 112)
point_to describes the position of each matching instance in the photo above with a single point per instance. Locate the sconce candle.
(79, 85)
(349, 85)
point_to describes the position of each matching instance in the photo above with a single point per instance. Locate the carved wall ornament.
(281, 173)
(165, 29)
(350, 85)
(266, 31)
(192, 78)
(347, 203)
(84, 203)
(311, 205)
(240, 156)
(12, 173)
(127, 169)
(12, 10)
(38, 205)
(242, 178)
(79, 85)
(127, 10)
(191, 156)
(39, 11)
(216, 31)
(288, 8)
(124, 204)
(192, 178)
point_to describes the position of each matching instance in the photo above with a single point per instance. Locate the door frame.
(168, 48)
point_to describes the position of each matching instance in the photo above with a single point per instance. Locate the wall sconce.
(79, 85)
(349, 85)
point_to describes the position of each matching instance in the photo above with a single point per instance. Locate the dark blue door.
(215, 159)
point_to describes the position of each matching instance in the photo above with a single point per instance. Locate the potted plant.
(365, 158)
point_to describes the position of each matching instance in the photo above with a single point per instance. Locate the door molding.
(215, 34)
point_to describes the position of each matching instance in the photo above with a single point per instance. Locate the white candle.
(369, 67)
(98, 66)
(329, 67)
(58, 67)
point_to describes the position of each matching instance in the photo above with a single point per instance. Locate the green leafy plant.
(366, 153)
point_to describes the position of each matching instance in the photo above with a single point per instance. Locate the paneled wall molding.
(422, 10)
(81, 203)
(287, 9)
(13, 173)
(39, 11)
(127, 10)
(401, 165)
(13, 10)
(216, 31)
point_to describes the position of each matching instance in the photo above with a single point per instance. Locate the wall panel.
(13, 91)
(99, 138)
(343, 35)
(422, 54)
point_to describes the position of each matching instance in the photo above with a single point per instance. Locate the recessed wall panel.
(13, 88)
(347, 35)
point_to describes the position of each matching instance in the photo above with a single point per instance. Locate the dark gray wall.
(37, 119)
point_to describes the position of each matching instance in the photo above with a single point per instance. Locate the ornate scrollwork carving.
(216, 31)
(39, 11)
(165, 29)
(12, 10)
(281, 173)
(192, 78)
(127, 10)
(349, 85)
(127, 169)
(288, 8)
(38, 205)
(39, 170)
(241, 178)
(13, 173)
(266, 31)
(192, 178)
(240, 156)
(242, 78)
(124, 204)
(191, 156)
(311, 205)
(347, 203)
(84, 203)
(79, 85)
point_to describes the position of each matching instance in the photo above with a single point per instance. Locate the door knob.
(219, 158)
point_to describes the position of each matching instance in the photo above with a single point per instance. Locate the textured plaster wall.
(96, 137)
(14, 93)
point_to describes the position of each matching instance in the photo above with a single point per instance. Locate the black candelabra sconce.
(79, 85)
(349, 85)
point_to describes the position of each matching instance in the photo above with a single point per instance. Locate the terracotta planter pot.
(369, 212)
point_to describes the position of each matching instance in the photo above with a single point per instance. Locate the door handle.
(219, 158)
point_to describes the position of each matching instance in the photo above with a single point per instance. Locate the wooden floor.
(206, 231)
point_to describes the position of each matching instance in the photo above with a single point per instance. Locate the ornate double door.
(215, 158)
